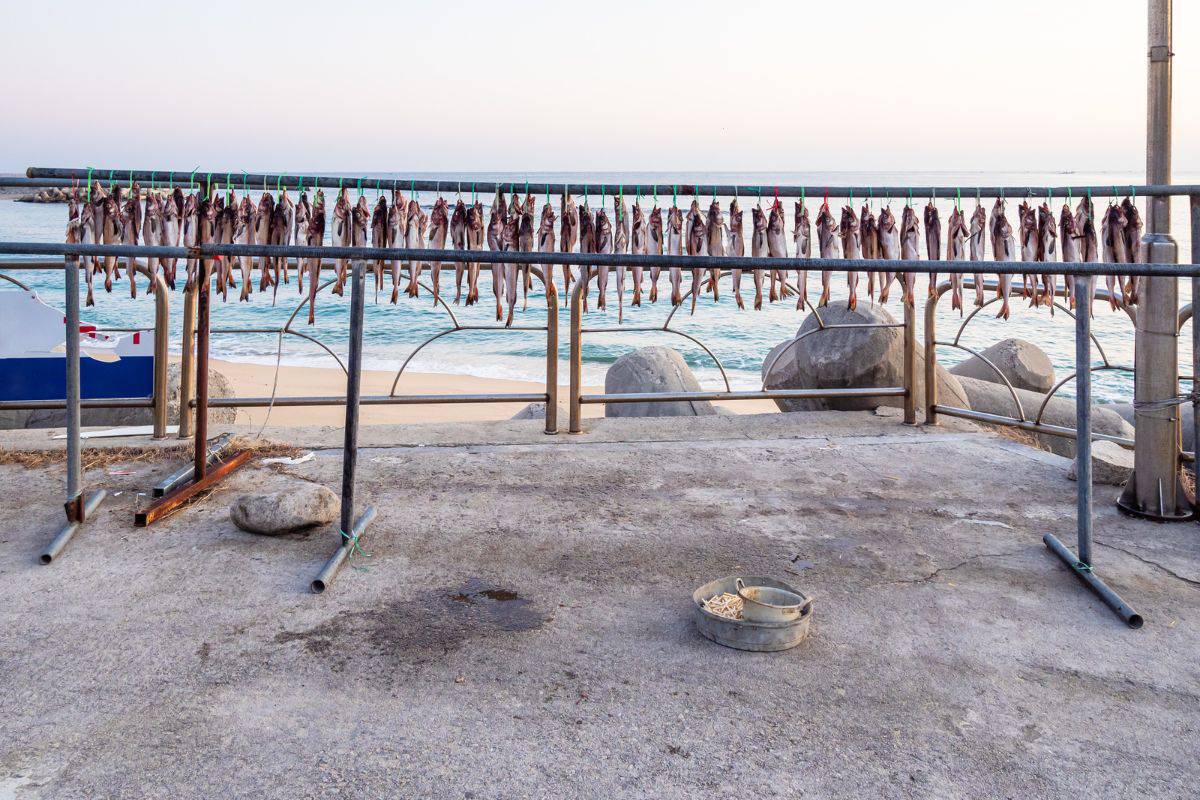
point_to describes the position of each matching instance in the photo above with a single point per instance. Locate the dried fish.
(758, 249)
(978, 226)
(1113, 236)
(226, 228)
(638, 246)
(244, 233)
(414, 239)
(827, 242)
(379, 238)
(1004, 248)
(189, 230)
(439, 226)
(889, 248)
(172, 224)
(736, 248)
(397, 227)
(910, 250)
(342, 236)
(715, 233)
(263, 216)
(869, 235)
(152, 232)
(697, 245)
(314, 237)
(131, 227)
(956, 250)
(1133, 246)
(654, 247)
(545, 244)
(604, 244)
(1089, 247)
(1069, 232)
(281, 232)
(509, 241)
(474, 242)
(80, 231)
(495, 240)
(526, 241)
(458, 237)
(568, 236)
(777, 248)
(802, 237)
(848, 231)
(587, 244)
(933, 242)
(1027, 217)
(1047, 251)
(620, 245)
(675, 247)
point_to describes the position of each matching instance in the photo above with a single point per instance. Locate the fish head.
(656, 222)
(675, 219)
(887, 220)
(849, 223)
(548, 216)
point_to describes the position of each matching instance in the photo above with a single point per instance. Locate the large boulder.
(218, 386)
(653, 369)
(994, 398)
(294, 509)
(850, 358)
(1111, 464)
(1024, 364)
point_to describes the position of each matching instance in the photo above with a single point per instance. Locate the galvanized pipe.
(766, 394)
(1163, 269)
(910, 364)
(551, 359)
(93, 402)
(72, 527)
(186, 367)
(75, 507)
(1025, 425)
(353, 393)
(575, 364)
(290, 181)
(185, 473)
(203, 322)
(342, 554)
(1083, 418)
(374, 400)
(1085, 574)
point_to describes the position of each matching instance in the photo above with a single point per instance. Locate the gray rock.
(1022, 362)
(218, 386)
(1111, 464)
(848, 358)
(537, 411)
(653, 369)
(994, 398)
(294, 509)
(1187, 429)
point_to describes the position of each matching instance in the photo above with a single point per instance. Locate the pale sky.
(538, 86)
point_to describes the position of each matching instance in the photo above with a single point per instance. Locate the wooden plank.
(169, 502)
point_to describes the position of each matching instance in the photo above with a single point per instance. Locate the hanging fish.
(827, 242)
(758, 249)
(620, 245)
(152, 232)
(604, 244)
(189, 230)
(777, 248)
(1113, 236)
(545, 244)
(131, 227)
(244, 231)
(1089, 248)
(439, 226)
(736, 248)
(1070, 235)
(849, 233)
(802, 237)
(675, 247)
(281, 232)
(956, 250)
(568, 236)
(172, 217)
(654, 247)
(697, 245)
(910, 249)
(474, 242)
(1004, 248)
(263, 215)
(889, 248)
(495, 240)
(300, 235)
(1047, 251)
(99, 204)
(85, 233)
(978, 226)
(1133, 248)
(638, 246)
(510, 241)
(342, 236)
(933, 242)
(869, 235)
(587, 244)
(379, 238)
(458, 237)
(526, 241)
(315, 237)
(714, 230)
(414, 239)
(397, 226)
(226, 227)
(1027, 219)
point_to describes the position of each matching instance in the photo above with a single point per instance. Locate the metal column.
(349, 529)
(1154, 490)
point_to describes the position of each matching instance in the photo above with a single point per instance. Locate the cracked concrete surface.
(522, 626)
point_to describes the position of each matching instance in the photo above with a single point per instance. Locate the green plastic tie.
(1082, 567)
(656, 195)
(547, 194)
(152, 182)
(675, 195)
(89, 185)
(360, 191)
(208, 186)
(958, 199)
(355, 549)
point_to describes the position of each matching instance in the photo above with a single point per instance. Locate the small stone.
(1111, 464)
(303, 506)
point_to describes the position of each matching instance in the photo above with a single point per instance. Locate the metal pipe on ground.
(185, 473)
(340, 556)
(59, 542)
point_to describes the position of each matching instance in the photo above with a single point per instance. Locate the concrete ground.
(522, 627)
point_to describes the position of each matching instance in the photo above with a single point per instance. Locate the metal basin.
(744, 634)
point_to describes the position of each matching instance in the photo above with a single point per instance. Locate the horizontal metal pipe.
(71, 528)
(1032, 427)
(372, 400)
(589, 259)
(767, 394)
(97, 402)
(185, 473)
(1084, 573)
(256, 180)
(342, 554)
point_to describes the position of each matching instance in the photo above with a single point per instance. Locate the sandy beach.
(255, 380)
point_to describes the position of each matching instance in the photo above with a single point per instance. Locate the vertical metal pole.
(931, 361)
(576, 362)
(188, 341)
(162, 338)
(353, 392)
(1154, 490)
(910, 364)
(1195, 209)
(74, 504)
(551, 357)
(202, 312)
(1083, 416)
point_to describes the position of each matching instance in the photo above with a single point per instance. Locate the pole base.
(1089, 579)
(340, 556)
(1128, 504)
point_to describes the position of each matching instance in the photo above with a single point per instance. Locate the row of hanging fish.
(173, 219)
